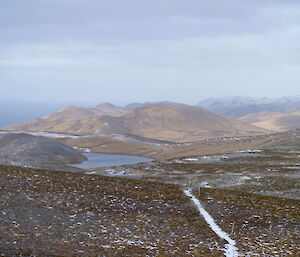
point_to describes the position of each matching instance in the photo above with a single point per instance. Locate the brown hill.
(176, 122)
(107, 109)
(71, 119)
(68, 113)
(276, 121)
(172, 122)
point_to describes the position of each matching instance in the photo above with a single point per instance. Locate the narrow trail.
(230, 249)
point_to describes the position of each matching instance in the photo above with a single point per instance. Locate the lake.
(96, 160)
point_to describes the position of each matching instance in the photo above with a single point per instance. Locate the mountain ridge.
(240, 106)
(162, 121)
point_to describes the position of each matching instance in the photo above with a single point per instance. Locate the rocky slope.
(44, 213)
(65, 214)
(33, 151)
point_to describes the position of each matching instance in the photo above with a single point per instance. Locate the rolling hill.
(162, 121)
(276, 121)
(72, 119)
(176, 122)
(107, 109)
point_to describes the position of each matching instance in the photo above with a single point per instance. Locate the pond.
(96, 160)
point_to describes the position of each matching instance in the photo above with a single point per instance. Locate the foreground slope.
(171, 122)
(65, 214)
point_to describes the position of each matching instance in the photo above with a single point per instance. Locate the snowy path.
(230, 250)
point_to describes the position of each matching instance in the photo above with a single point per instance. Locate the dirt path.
(230, 248)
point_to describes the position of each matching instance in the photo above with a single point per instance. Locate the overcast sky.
(124, 51)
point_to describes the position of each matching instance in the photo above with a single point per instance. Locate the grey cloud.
(135, 20)
(160, 49)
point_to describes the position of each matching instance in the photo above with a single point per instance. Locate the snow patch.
(82, 149)
(191, 159)
(250, 151)
(42, 133)
(230, 249)
(205, 184)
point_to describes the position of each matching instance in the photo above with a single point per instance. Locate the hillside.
(107, 109)
(65, 214)
(72, 119)
(27, 150)
(163, 121)
(46, 213)
(176, 122)
(277, 121)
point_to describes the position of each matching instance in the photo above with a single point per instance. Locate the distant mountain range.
(162, 121)
(241, 106)
(217, 117)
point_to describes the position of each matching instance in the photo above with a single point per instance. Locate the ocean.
(11, 113)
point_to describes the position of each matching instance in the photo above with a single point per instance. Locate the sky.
(123, 51)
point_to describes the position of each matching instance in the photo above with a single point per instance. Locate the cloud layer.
(123, 51)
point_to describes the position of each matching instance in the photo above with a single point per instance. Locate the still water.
(105, 160)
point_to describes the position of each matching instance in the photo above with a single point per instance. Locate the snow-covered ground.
(42, 133)
(230, 248)
(250, 151)
(82, 149)
(191, 159)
